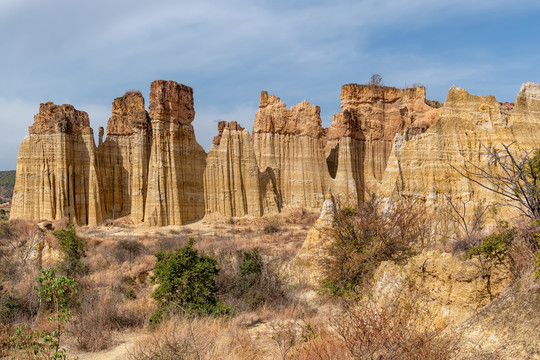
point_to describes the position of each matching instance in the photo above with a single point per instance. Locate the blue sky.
(87, 53)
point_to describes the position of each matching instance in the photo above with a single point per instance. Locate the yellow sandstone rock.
(423, 166)
(289, 149)
(231, 177)
(177, 161)
(56, 174)
(360, 137)
(123, 158)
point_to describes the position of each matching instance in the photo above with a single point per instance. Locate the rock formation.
(123, 158)
(456, 287)
(360, 137)
(308, 259)
(56, 168)
(231, 177)
(177, 161)
(387, 141)
(289, 149)
(423, 167)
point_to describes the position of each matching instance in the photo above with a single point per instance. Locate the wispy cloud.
(91, 52)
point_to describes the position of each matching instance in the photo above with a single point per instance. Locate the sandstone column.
(177, 161)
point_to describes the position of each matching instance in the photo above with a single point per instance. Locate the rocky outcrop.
(56, 168)
(231, 179)
(123, 158)
(360, 137)
(289, 149)
(177, 161)
(424, 167)
(314, 249)
(458, 288)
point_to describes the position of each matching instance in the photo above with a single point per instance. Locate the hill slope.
(7, 183)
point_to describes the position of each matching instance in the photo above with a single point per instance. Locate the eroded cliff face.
(423, 167)
(360, 137)
(387, 141)
(56, 168)
(289, 150)
(123, 158)
(177, 161)
(231, 178)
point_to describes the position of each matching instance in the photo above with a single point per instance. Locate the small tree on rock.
(375, 80)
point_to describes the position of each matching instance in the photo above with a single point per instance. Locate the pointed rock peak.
(273, 117)
(530, 91)
(171, 102)
(329, 195)
(328, 210)
(128, 114)
(528, 97)
(60, 119)
(269, 100)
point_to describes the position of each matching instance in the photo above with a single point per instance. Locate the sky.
(86, 53)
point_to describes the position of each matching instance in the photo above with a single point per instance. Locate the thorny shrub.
(247, 281)
(100, 314)
(365, 236)
(400, 327)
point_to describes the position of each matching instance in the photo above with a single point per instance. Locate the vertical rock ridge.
(231, 178)
(56, 175)
(421, 167)
(177, 161)
(289, 148)
(123, 158)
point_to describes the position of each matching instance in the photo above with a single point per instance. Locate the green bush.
(57, 293)
(130, 294)
(494, 250)
(73, 249)
(249, 272)
(186, 281)
(8, 305)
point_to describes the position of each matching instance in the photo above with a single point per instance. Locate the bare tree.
(515, 178)
(375, 80)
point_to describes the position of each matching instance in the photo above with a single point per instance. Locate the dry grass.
(285, 323)
(196, 338)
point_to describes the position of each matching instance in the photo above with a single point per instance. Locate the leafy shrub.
(58, 294)
(74, 249)
(249, 272)
(494, 250)
(186, 281)
(130, 294)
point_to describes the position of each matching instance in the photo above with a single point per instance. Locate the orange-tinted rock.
(171, 102)
(359, 141)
